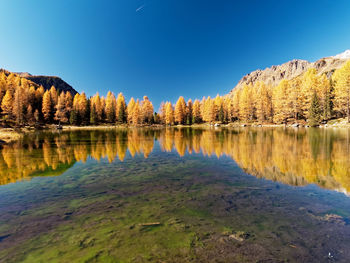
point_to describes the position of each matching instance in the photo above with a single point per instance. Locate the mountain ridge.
(291, 69)
(46, 81)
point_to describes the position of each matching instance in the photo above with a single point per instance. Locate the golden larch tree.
(341, 100)
(282, 110)
(6, 104)
(110, 107)
(169, 113)
(61, 112)
(263, 102)
(180, 110)
(246, 104)
(130, 109)
(235, 104)
(18, 110)
(146, 110)
(189, 111)
(46, 106)
(196, 112)
(121, 114)
(136, 113)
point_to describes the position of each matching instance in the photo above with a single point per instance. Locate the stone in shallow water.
(239, 236)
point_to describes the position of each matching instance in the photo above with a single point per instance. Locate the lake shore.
(8, 135)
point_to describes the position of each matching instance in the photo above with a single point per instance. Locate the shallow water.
(176, 195)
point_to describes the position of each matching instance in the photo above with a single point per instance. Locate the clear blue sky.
(162, 48)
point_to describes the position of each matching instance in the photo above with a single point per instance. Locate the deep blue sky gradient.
(168, 47)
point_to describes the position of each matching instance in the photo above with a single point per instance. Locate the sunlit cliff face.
(294, 157)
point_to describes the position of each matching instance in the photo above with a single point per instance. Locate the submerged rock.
(239, 236)
(333, 218)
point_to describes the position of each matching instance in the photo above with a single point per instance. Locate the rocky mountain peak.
(291, 69)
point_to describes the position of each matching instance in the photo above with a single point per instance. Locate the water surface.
(176, 195)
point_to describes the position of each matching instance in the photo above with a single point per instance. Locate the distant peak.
(23, 74)
(344, 55)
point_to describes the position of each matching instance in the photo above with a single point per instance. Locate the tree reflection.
(294, 157)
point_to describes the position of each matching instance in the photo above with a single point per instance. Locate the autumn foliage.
(310, 97)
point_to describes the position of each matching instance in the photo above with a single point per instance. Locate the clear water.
(176, 195)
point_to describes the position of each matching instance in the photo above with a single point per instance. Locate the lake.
(176, 195)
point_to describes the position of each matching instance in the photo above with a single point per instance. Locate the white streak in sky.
(140, 8)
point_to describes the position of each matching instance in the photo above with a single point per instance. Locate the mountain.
(294, 68)
(48, 81)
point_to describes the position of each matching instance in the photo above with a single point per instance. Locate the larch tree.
(47, 106)
(189, 111)
(180, 110)
(61, 112)
(97, 104)
(228, 109)
(68, 103)
(341, 100)
(146, 110)
(295, 98)
(309, 84)
(162, 112)
(280, 102)
(169, 113)
(246, 104)
(130, 109)
(110, 107)
(18, 110)
(39, 94)
(136, 113)
(121, 114)
(54, 95)
(263, 102)
(83, 108)
(325, 97)
(196, 112)
(29, 114)
(218, 113)
(236, 103)
(6, 104)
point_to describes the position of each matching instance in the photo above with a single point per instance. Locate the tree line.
(310, 97)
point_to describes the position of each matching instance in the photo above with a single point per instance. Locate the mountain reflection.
(294, 157)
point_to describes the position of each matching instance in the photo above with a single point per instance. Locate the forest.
(310, 98)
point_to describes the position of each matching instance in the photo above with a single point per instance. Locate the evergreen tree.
(73, 119)
(314, 111)
(93, 114)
